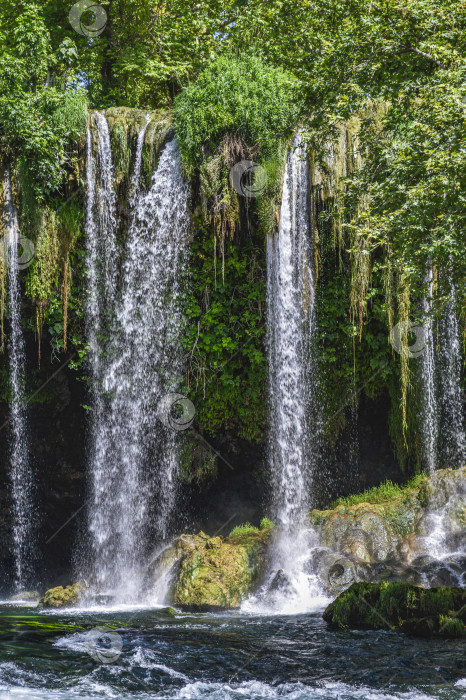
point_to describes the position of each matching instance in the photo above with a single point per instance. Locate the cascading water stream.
(290, 298)
(101, 259)
(451, 400)
(22, 479)
(292, 390)
(429, 411)
(135, 455)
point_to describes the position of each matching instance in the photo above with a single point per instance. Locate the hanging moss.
(269, 203)
(2, 301)
(43, 277)
(120, 151)
(70, 218)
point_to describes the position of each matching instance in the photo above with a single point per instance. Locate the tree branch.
(413, 49)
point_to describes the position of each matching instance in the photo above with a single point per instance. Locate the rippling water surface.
(216, 656)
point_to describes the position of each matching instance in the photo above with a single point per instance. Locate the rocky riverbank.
(415, 536)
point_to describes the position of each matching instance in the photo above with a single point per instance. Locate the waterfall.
(291, 340)
(290, 303)
(453, 437)
(429, 408)
(136, 363)
(22, 480)
(101, 253)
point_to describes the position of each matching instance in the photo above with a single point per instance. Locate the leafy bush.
(242, 96)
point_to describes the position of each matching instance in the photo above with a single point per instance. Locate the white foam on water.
(92, 687)
(101, 609)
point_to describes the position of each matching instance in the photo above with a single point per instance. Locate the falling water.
(20, 472)
(135, 457)
(292, 387)
(429, 411)
(453, 438)
(101, 260)
(290, 298)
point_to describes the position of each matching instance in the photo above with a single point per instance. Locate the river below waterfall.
(217, 656)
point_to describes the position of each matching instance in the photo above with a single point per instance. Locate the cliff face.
(57, 438)
(54, 289)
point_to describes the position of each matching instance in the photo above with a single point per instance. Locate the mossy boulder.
(374, 532)
(434, 612)
(60, 597)
(218, 573)
(369, 531)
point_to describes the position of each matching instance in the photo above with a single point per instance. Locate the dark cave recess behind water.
(236, 491)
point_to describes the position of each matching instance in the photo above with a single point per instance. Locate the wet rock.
(335, 572)
(362, 531)
(281, 584)
(279, 590)
(437, 573)
(60, 597)
(393, 571)
(160, 573)
(400, 533)
(218, 573)
(431, 612)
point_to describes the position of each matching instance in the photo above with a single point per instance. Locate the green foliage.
(54, 279)
(224, 336)
(388, 491)
(266, 524)
(241, 96)
(245, 74)
(244, 529)
(41, 118)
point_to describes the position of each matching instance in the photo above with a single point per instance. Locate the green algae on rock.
(434, 612)
(216, 572)
(60, 597)
(374, 532)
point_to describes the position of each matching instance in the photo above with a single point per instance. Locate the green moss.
(156, 134)
(427, 612)
(120, 151)
(388, 491)
(244, 529)
(247, 528)
(60, 597)
(266, 524)
(216, 572)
